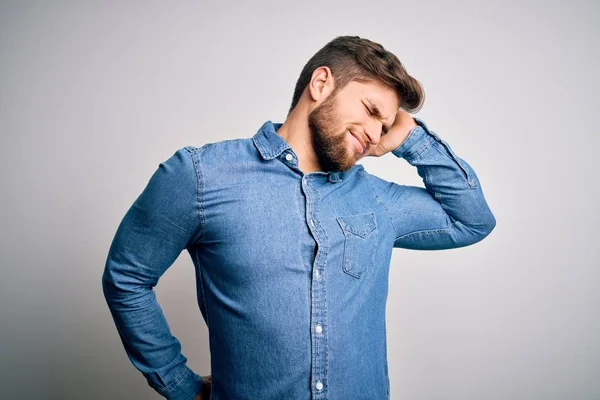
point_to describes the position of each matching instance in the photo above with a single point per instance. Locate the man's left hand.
(206, 388)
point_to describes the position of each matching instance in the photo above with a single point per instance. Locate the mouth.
(358, 142)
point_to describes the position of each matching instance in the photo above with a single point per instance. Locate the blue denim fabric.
(292, 268)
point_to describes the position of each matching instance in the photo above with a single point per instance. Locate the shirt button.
(289, 157)
(318, 329)
(312, 222)
(316, 274)
(319, 385)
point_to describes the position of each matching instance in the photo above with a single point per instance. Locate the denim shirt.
(291, 268)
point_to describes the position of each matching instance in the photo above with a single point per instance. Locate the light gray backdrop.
(94, 95)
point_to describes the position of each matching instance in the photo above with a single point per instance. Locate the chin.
(349, 162)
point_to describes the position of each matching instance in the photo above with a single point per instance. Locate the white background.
(94, 95)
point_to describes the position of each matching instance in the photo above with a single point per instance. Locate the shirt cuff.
(415, 142)
(185, 387)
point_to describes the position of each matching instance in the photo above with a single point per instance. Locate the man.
(291, 239)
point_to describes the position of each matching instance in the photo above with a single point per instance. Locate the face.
(345, 126)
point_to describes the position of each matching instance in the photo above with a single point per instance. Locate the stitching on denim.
(323, 248)
(429, 231)
(464, 171)
(257, 144)
(282, 147)
(385, 362)
(312, 299)
(373, 235)
(324, 309)
(407, 139)
(202, 289)
(201, 215)
(297, 198)
(429, 187)
(428, 143)
(169, 388)
(387, 211)
(199, 185)
(343, 221)
(264, 151)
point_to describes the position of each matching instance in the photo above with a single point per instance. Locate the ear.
(321, 84)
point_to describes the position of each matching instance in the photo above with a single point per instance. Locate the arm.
(162, 221)
(450, 211)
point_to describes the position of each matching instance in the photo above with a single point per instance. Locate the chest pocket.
(360, 242)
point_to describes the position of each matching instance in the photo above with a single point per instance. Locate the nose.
(373, 133)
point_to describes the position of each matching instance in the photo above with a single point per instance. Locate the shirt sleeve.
(162, 221)
(450, 211)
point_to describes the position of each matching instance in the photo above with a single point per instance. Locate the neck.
(296, 132)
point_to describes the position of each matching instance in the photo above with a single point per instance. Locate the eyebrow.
(379, 115)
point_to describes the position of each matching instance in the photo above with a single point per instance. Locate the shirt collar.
(268, 142)
(270, 145)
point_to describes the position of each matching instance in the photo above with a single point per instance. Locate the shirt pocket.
(360, 242)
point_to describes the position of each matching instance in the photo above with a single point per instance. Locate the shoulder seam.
(194, 153)
(387, 211)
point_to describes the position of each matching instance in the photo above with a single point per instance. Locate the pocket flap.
(359, 224)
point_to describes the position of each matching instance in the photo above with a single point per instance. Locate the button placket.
(318, 299)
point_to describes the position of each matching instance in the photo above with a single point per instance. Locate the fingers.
(206, 388)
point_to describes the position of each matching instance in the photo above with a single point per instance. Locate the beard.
(331, 147)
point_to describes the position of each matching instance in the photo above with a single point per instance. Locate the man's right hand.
(206, 386)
